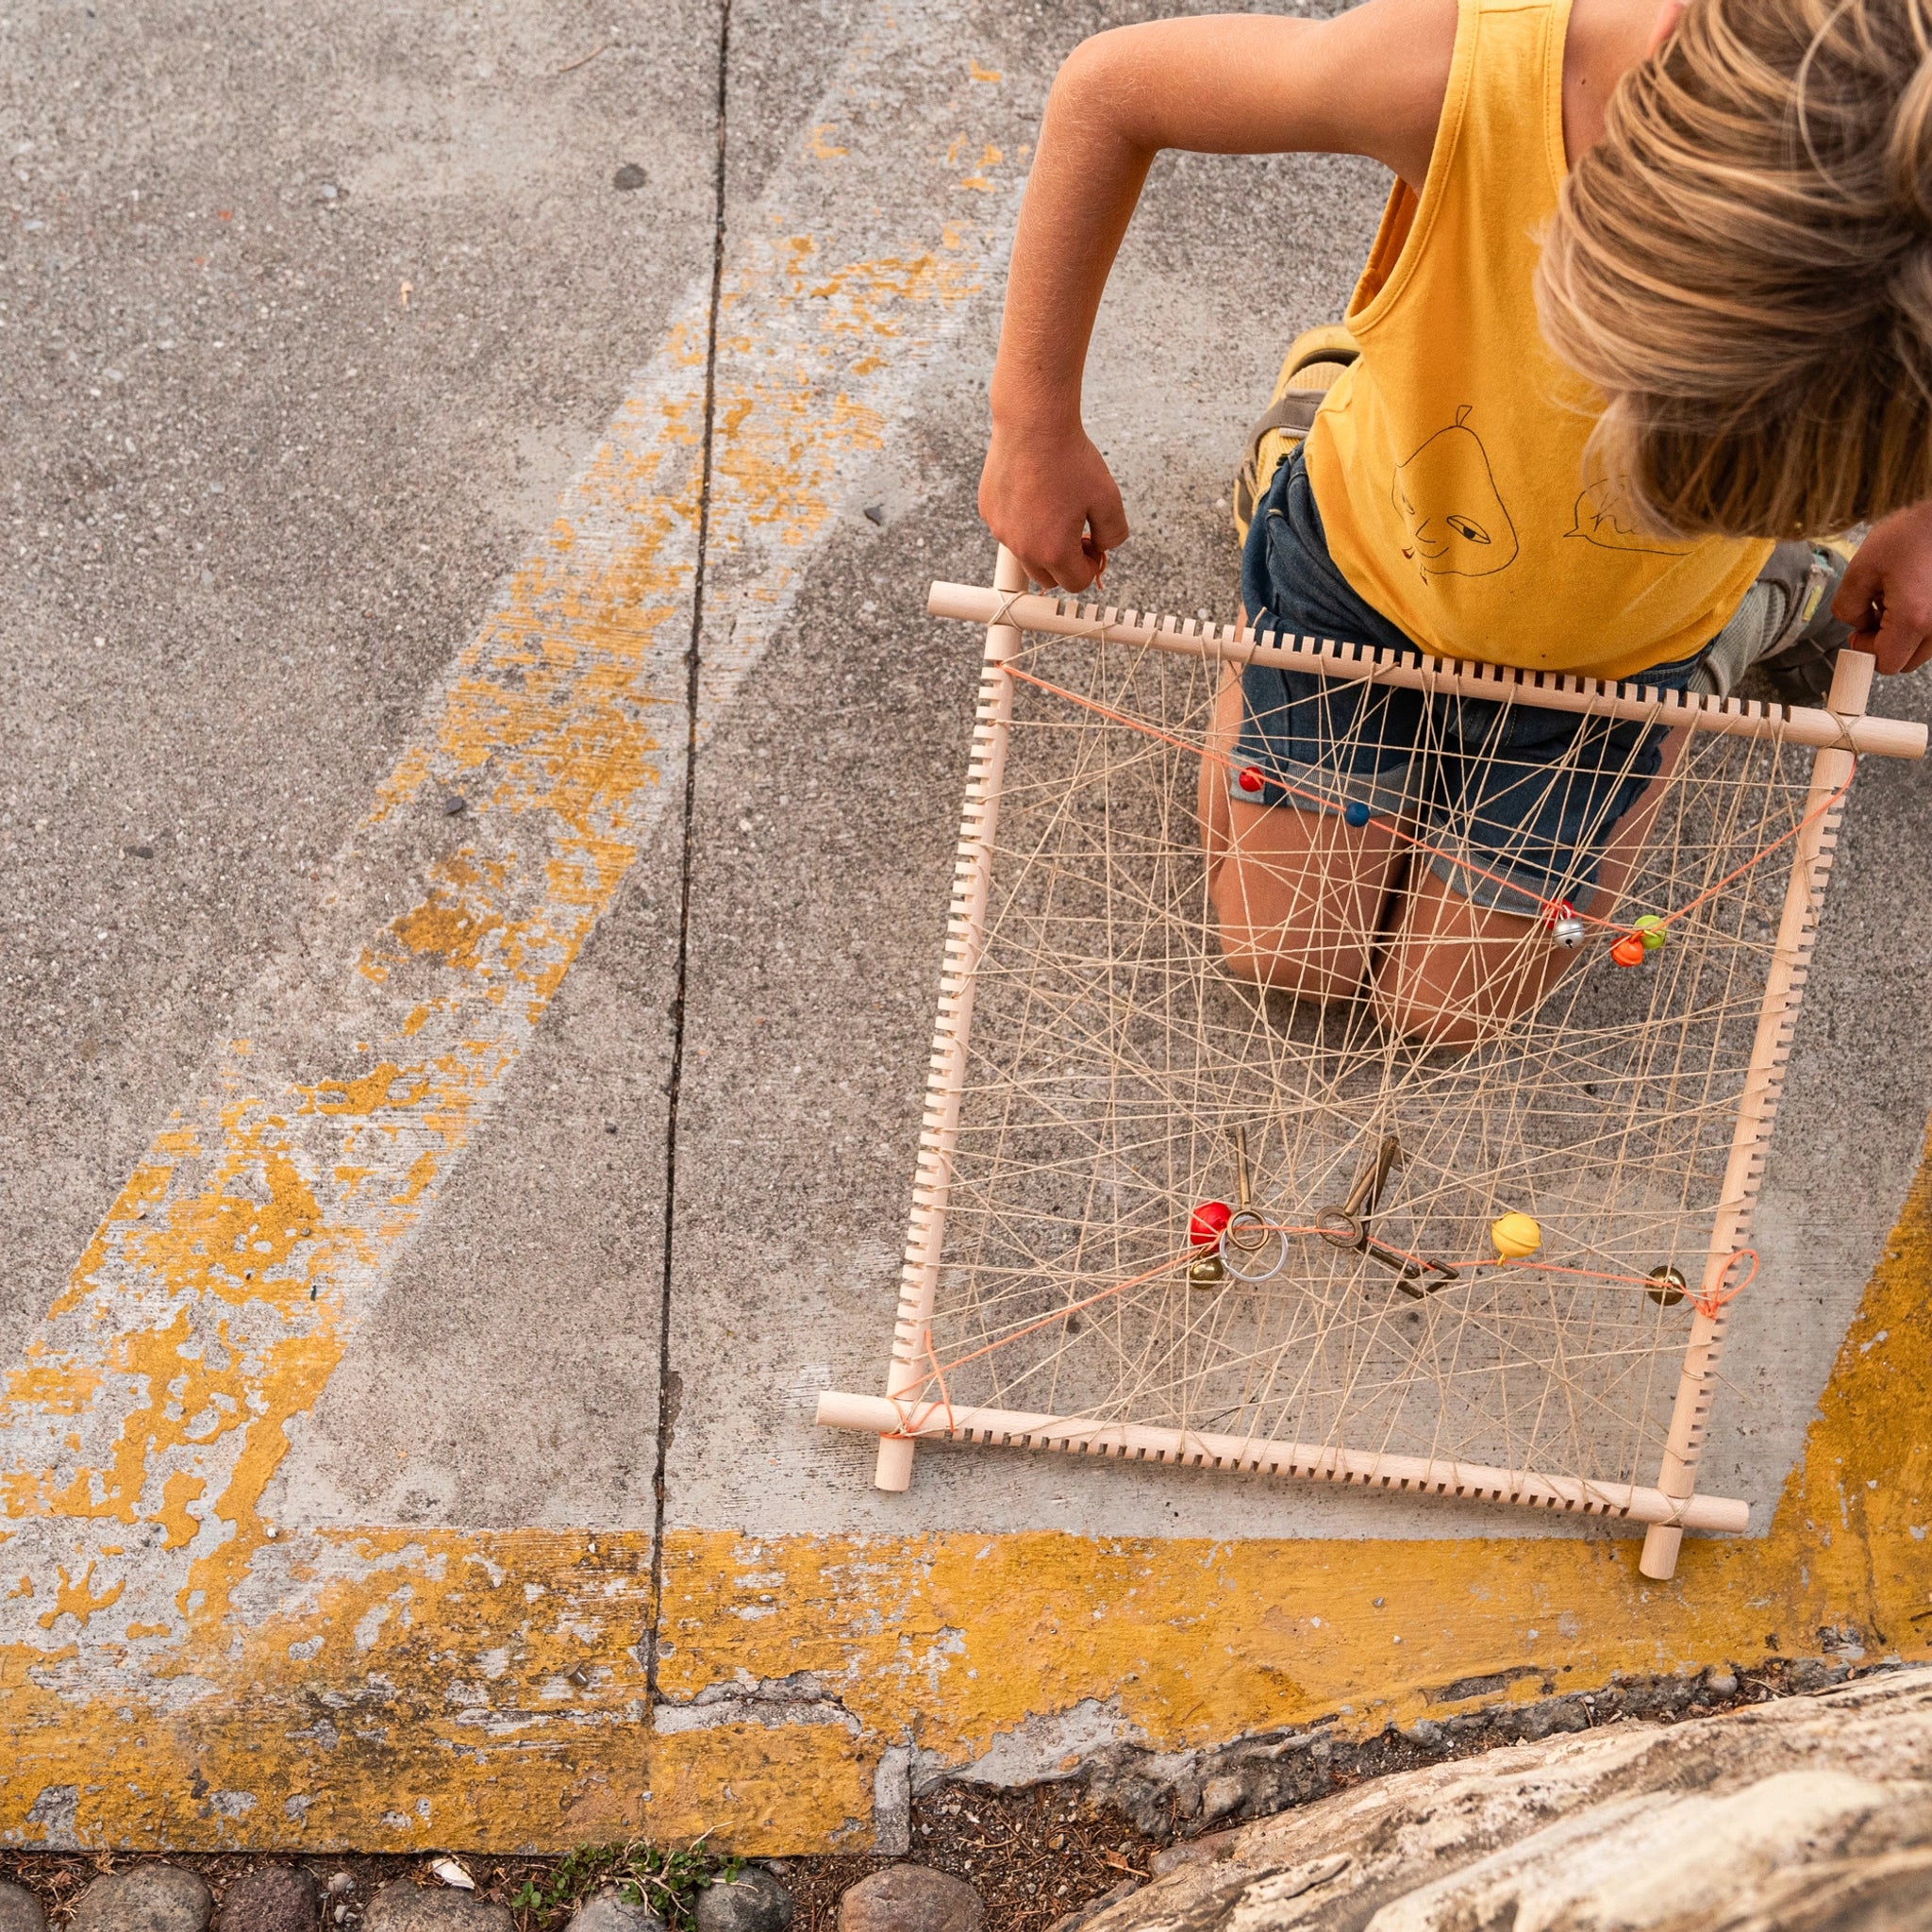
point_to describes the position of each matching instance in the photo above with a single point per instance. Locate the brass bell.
(1208, 1272)
(1671, 1287)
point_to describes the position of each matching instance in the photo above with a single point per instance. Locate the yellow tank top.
(1447, 463)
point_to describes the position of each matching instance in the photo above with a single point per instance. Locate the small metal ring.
(1254, 1235)
(1339, 1227)
(1267, 1274)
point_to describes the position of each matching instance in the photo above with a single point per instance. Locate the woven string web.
(1118, 1077)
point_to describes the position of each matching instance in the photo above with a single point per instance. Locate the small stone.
(629, 177)
(910, 1898)
(875, 513)
(1206, 1850)
(1720, 1684)
(339, 1884)
(1426, 1732)
(610, 1911)
(144, 1898)
(270, 1898)
(401, 1907)
(1221, 1795)
(454, 803)
(19, 1911)
(752, 1902)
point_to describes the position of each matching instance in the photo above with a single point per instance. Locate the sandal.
(1318, 358)
(1797, 664)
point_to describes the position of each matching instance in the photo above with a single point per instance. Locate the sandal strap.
(1293, 410)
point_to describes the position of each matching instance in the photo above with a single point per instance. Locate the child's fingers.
(1858, 590)
(1898, 641)
(1107, 520)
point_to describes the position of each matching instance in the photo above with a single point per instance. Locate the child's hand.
(1887, 593)
(1053, 502)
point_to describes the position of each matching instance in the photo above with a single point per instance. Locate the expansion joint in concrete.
(667, 1409)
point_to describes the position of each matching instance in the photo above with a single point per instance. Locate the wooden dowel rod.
(945, 1083)
(1764, 1079)
(1891, 738)
(1243, 1456)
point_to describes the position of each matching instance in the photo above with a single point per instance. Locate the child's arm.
(1368, 82)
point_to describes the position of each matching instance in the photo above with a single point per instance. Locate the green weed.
(665, 1881)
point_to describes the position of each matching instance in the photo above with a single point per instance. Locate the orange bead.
(1628, 951)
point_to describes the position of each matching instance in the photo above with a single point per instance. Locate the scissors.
(1347, 1226)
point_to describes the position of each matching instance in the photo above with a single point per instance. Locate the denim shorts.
(1512, 804)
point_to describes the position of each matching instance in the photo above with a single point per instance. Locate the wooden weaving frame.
(1840, 733)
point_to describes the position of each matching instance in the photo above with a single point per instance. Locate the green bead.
(1652, 930)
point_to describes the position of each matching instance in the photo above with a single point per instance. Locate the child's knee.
(1306, 958)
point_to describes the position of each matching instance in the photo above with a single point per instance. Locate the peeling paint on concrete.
(186, 1658)
(1053, 1745)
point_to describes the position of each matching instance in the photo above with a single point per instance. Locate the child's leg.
(1298, 895)
(1453, 972)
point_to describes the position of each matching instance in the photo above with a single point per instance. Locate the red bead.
(1628, 951)
(1251, 780)
(1207, 1222)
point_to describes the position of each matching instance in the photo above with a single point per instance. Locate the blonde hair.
(1743, 265)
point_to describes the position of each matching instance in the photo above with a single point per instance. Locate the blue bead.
(1355, 812)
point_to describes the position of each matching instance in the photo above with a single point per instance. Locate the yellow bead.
(1515, 1236)
(1208, 1272)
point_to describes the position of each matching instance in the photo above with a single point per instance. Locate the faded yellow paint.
(393, 1688)
(179, 1490)
(402, 1691)
(484, 1689)
(74, 1598)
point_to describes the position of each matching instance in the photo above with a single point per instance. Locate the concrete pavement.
(360, 957)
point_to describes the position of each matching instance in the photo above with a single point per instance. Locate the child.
(1651, 304)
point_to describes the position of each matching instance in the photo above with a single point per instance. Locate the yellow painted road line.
(172, 1675)
(140, 1430)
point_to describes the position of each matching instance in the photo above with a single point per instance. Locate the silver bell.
(1567, 931)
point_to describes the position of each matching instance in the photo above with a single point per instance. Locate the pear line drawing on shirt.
(1605, 517)
(1446, 496)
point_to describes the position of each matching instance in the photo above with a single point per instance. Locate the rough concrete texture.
(368, 449)
(1812, 1813)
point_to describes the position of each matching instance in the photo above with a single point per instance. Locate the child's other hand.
(1053, 502)
(1887, 592)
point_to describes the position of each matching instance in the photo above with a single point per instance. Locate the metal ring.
(1228, 1259)
(1254, 1235)
(1341, 1230)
